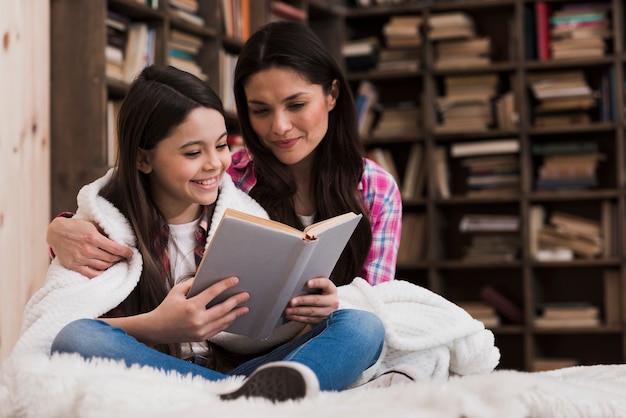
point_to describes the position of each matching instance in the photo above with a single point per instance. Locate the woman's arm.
(80, 246)
(385, 203)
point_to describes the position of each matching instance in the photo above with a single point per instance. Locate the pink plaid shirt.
(382, 196)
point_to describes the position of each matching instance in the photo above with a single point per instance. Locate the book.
(503, 305)
(542, 22)
(273, 262)
(500, 146)
(612, 288)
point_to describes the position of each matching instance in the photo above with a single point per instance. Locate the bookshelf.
(498, 94)
(430, 152)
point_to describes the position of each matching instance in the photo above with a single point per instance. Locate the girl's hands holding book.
(313, 308)
(181, 319)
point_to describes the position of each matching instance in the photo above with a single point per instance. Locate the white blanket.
(35, 386)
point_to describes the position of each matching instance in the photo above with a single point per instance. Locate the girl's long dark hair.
(338, 160)
(158, 100)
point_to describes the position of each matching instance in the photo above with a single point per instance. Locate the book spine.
(542, 20)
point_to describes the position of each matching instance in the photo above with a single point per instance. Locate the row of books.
(236, 18)
(495, 306)
(491, 167)
(413, 182)
(562, 98)
(383, 122)
(563, 236)
(183, 49)
(130, 47)
(567, 165)
(571, 30)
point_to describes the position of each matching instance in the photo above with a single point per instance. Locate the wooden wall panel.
(24, 158)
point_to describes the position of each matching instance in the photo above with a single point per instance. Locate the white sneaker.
(278, 381)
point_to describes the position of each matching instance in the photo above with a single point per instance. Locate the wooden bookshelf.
(453, 262)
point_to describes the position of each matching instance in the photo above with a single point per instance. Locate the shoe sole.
(277, 382)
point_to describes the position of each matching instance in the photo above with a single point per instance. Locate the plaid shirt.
(382, 197)
(162, 237)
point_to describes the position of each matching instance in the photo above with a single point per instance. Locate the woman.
(303, 160)
(170, 187)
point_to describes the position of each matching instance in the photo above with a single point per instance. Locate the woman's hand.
(80, 246)
(313, 308)
(182, 319)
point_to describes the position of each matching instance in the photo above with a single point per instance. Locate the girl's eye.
(192, 153)
(222, 146)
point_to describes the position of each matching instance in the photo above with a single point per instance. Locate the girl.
(170, 185)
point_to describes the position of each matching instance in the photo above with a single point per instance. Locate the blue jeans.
(338, 349)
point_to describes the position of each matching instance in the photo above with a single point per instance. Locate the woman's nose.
(281, 123)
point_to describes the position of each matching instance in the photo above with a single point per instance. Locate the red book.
(502, 304)
(542, 21)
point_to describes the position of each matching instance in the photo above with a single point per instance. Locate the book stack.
(579, 235)
(236, 18)
(556, 315)
(493, 166)
(492, 248)
(489, 223)
(563, 98)
(402, 120)
(361, 54)
(183, 49)
(452, 25)
(466, 105)
(579, 31)
(493, 238)
(481, 311)
(402, 46)
(117, 34)
(186, 10)
(456, 42)
(399, 59)
(413, 237)
(567, 165)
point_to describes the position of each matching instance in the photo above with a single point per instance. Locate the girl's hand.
(179, 319)
(313, 308)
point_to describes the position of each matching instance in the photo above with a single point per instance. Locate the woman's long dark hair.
(338, 160)
(158, 100)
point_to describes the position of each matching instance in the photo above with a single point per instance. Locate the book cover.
(273, 262)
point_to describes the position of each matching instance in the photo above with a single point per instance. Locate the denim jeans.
(338, 349)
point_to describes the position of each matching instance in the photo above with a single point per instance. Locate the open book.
(273, 262)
